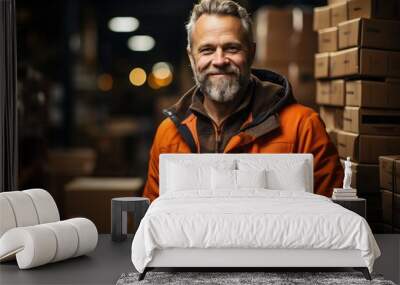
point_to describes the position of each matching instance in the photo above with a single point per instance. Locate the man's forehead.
(209, 26)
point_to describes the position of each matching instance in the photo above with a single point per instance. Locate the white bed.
(203, 221)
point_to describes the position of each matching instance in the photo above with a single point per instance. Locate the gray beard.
(223, 90)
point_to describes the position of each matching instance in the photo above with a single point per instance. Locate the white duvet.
(252, 218)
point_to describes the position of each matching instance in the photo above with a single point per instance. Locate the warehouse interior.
(94, 76)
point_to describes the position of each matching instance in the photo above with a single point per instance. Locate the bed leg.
(143, 274)
(364, 271)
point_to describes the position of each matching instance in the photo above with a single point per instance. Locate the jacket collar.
(270, 93)
(198, 98)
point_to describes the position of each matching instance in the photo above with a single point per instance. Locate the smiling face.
(220, 56)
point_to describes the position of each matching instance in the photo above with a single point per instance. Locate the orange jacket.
(283, 127)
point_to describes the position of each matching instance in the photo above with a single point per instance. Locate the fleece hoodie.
(268, 120)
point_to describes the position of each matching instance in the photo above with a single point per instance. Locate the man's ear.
(190, 55)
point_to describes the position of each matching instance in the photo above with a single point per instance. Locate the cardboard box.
(366, 148)
(278, 67)
(338, 92)
(364, 62)
(369, 33)
(321, 69)
(372, 9)
(365, 177)
(303, 41)
(273, 28)
(331, 2)
(338, 13)
(323, 90)
(332, 133)
(328, 40)
(387, 207)
(284, 27)
(371, 121)
(375, 94)
(90, 197)
(389, 172)
(332, 117)
(331, 93)
(390, 208)
(343, 63)
(322, 17)
(301, 77)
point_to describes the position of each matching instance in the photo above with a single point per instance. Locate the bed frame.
(249, 258)
(243, 259)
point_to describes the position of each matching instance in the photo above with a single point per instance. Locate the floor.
(103, 266)
(389, 262)
(111, 259)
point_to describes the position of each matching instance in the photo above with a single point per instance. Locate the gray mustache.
(228, 70)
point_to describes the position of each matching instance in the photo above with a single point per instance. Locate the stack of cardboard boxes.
(357, 68)
(286, 44)
(389, 174)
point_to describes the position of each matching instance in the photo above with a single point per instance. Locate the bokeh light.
(105, 82)
(137, 76)
(152, 82)
(123, 24)
(157, 83)
(141, 43)
(162, 70)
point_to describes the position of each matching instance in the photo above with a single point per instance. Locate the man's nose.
(220, 58)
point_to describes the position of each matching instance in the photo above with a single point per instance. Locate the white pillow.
(223, 179)
(235, 179)
(251, 178)
(183, 177)
(280, 174)
(188, 174)
(294, 179)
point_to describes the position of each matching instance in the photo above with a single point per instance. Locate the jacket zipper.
(218, 132)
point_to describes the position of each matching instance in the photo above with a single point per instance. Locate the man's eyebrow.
(206, 45)
(228, 44)
(236, 44)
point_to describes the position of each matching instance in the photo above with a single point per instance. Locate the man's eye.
(206, 51)
(232, 49)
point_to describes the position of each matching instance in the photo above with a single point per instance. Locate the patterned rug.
(243, 278)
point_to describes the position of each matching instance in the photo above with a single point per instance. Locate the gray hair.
(219, 7)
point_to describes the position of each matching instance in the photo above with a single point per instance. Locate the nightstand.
(119, 209)
(358, 205)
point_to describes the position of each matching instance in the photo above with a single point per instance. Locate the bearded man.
(234, 109)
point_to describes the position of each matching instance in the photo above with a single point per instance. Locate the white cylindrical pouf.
(34, 246)
(67, 239)
(23, 208)
(87, 234)
(7, 218)
(45, 205)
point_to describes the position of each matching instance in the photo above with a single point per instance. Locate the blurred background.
(93, 77)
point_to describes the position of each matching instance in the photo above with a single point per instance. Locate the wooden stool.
(119, 208)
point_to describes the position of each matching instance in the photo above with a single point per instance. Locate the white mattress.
(253, 218)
